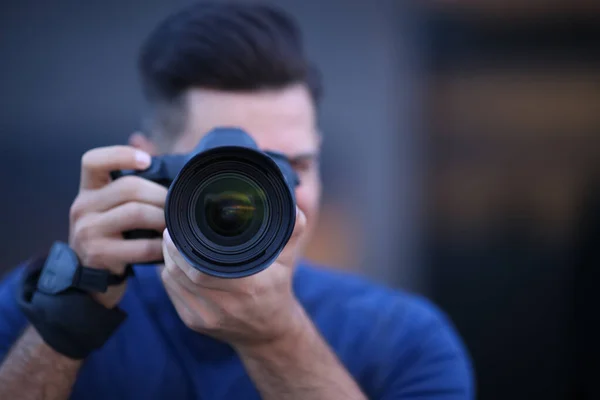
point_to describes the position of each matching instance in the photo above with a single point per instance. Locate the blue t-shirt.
(395, 345)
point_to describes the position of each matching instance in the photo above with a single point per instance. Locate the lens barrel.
(231, 209)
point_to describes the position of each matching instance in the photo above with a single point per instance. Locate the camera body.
(230, 207)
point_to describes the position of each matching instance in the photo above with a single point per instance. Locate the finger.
(299, 226)
(173, 273)
(115, 254)
(174, 289)
(192, 309)
(123, 190)
(183, 309)
(290, 251)
(136, 251)
(96, 164)
(176, 274)
(132, 215)
(178, 267)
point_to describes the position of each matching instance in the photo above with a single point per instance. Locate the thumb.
(290, 253)
(300, 224)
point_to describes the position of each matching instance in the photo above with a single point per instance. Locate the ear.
(140, 141)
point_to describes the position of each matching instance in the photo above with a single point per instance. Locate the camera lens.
(230, 209)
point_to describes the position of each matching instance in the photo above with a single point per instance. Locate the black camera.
(230, 208)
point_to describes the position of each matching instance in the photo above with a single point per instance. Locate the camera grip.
(162, 170)
(142, 234)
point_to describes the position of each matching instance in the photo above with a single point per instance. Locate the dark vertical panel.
(509, 284)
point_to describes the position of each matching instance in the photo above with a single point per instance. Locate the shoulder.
(408, 343)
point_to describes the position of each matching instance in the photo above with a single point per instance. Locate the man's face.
(282, 121)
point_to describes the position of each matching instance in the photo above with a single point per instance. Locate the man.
(292, 331)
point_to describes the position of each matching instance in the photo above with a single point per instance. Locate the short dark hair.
(224, 46)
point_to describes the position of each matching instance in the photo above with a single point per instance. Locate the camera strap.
(54, 295)
(62, 271)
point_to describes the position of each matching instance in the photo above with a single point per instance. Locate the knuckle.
(87, 159)
(233, 309)
(214, 322)
(94, 256)
(196, 277)
(77, 209)
(131, 187)
(170, 270)
(257, 290)
(151, 250)
(83, 233)
(164, 275)
(189, 318)
(300, 225)
(135, 212)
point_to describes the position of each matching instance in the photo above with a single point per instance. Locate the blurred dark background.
(460, 160)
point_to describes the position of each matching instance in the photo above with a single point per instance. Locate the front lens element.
(228, 213)
(230, 206)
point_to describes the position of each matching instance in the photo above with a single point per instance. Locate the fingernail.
(143, 159)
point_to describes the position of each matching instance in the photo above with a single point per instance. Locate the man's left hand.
(247, 311)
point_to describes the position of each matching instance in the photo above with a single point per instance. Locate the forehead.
(281, 120)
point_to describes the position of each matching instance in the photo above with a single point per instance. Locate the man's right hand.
(104, 209)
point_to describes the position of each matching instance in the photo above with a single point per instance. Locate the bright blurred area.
(460, 158)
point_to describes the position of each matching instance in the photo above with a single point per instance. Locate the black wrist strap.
(97, 280)
(66, 316)
(62, 271)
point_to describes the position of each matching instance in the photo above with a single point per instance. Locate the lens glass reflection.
(230, 206)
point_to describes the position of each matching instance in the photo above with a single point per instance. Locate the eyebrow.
(300, 157)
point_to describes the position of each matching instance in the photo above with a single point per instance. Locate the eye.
(302, 165)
